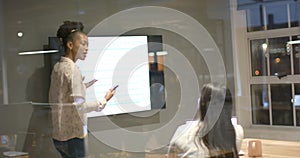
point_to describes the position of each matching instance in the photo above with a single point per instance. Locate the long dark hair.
(215, 127)
(67, 31)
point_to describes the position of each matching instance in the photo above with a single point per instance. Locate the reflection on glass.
(277, 16)
(279, 58)
(282, 106)
(1, 86)
(260, 104)
(297, 103)
(255, 20)
(296, 55)
(258, 57)
(294, 14)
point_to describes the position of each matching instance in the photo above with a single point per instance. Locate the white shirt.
(183, 141)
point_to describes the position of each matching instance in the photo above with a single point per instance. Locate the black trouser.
(72, 148)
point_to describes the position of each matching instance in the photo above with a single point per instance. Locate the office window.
(272, 55)
(297, 103)
(258, 57)
(294, 14)
(260, 104)
(275, 63)
(296, 54)
(279, 60)
(282, 106)
(269, 16)
(275, 50)
(255, 19)
(276, 16)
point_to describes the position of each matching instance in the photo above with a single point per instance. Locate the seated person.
(212, 134)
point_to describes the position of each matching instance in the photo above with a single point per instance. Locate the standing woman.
(67, 93)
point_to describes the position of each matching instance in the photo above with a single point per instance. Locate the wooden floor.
(275, 148)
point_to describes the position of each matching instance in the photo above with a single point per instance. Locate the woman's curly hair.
(67, 30)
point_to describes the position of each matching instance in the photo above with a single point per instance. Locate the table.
(275, 148)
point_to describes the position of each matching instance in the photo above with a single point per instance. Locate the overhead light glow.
(20, 34)
(38, 52)
(294, 42)
(162, 53)
(159, 53)
(264, 46)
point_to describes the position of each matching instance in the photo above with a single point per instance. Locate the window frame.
(269, 80)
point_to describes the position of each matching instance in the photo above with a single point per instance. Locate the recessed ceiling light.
(20, 34)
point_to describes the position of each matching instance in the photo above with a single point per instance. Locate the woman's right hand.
(109, 94)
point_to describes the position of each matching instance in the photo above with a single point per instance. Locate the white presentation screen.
(122, 61)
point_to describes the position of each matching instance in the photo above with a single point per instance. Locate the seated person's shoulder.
(239, 131)
(185, 128)
(239, 134)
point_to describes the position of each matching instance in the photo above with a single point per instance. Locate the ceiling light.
(38, 52)
(294, 42)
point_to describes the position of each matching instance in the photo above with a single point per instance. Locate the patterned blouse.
(68, 117)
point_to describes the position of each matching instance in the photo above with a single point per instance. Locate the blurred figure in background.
(212, 134)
